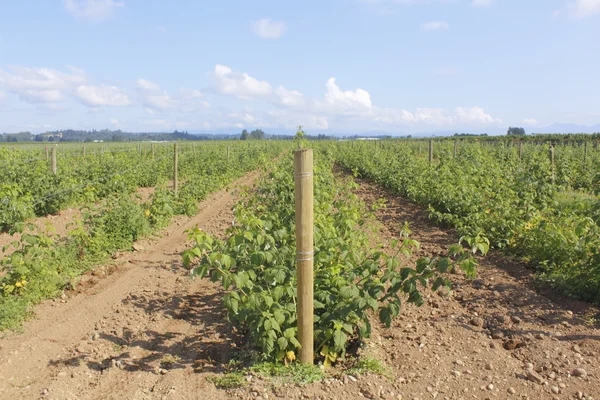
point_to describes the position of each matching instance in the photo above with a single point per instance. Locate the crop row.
(547, 214)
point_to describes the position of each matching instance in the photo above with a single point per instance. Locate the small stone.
(528, 366)
(511, 344)
(554, 389)
(535, 377)
(489, 366)
(456, 373)
(45, 392)
(477, 321)
(515, 319)
(95, 336)
(580, 372)
(580, 395)
(138, 247)
(512, 390)
(352, 378)
(490, 387)
(577, 349)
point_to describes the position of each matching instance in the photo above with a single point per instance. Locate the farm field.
(398, 311)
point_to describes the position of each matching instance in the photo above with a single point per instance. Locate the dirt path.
(135, 334)
(146, 331)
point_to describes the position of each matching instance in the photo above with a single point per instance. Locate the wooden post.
(584, 151)
(430, 150)
(175, 157)
(227, 152)
(551, 155)
(419, 149)
(47, 155)
(520, 151)
(455, 147)
(54, 160)
(303, 177)
(152, 150)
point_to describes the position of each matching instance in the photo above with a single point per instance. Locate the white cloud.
(435, 25)
(289, 98)
(530, 121)
(337, 99)
(583, 8)
(239, 85)
(482, 3)
(147, 85)
(41, 85)
(114, 121)
(268, 29)
(160, 101)
(474, 115)
(93, 10)
(189, 94)
(103, 95)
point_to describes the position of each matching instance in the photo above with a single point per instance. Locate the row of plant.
(29, 188)
(352, 280)
(42, 264)
(548, 216)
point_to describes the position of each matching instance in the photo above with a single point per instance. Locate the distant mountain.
(566, 128)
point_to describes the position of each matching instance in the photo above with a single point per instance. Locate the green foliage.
(256, 264)
(229, 380)
(294, 373)
(42, 264)
(364, 365)
(487, 191)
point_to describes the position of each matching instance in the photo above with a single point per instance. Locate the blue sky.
(399, 66)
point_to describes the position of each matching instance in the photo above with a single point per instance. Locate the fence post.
(175, 159)
(303, 177)
(47, 155)
(419, 149)
(585, 151)
(153, 150)
(54, 160)
(520, 151)
(430, 150)
(551, 155)
(455, 147)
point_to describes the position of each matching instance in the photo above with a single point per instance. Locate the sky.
(333, 66)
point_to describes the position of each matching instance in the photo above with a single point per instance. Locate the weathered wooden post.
(520, 150)
(430, 150)
(175, 159)
(585, 151)
(47, 155)
(54, 160)
(455, 147)
(303, 177)
(152, 150)
(551, 155)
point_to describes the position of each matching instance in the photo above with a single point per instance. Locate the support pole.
(303, 176)
(227, 152)
(520, 151)
(47, 154)
(551, 155)
(175, 159)
(455, 148)
(54, 160)
(430, 150)
(152, 150)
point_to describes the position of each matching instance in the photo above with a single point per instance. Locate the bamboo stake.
(152, 150)
(47, 155)
(303, 176)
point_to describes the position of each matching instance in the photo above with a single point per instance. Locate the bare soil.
(141, 329)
